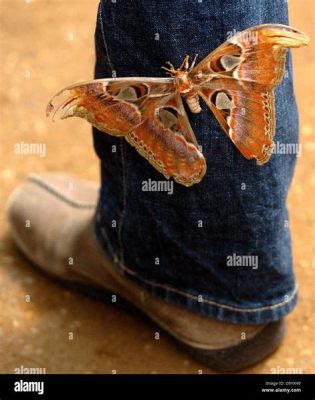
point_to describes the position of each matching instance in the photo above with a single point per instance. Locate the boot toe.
(42, 210)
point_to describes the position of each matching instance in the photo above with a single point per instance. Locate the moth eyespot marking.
(222, 101)
(128, 93)
(229, 61)
(168, 116)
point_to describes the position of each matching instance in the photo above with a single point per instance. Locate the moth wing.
(167, 141)
(236, 82)
(111, 105)
(147, 112)
(247, 118)
(256, 57)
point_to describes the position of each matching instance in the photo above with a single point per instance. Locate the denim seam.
(122, 215)
(121, 219)
(210, 302)
(103, 37)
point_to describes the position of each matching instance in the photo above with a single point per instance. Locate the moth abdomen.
(193, 103)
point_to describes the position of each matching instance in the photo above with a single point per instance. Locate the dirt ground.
(44, 46)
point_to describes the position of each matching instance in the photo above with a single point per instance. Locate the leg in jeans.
(178, 246)
(169, 254)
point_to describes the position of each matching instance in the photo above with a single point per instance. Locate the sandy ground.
(46, 45)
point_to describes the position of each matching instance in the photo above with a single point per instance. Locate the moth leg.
(170, 64)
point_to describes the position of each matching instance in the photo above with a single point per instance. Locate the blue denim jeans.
(191, 246)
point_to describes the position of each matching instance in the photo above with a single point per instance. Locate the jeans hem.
(208, 307)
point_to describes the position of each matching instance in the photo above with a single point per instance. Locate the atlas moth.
(236, 82)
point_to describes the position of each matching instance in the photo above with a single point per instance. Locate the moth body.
(193, 102)
(185, 87)
(182, 82)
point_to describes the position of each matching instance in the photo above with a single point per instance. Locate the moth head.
(183, 84)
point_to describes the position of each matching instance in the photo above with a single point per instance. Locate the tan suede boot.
(51, 221)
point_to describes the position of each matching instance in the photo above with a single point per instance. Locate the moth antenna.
(184, 63)
(194, 61)
(187, 63)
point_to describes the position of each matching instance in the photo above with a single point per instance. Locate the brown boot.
(51, 221)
